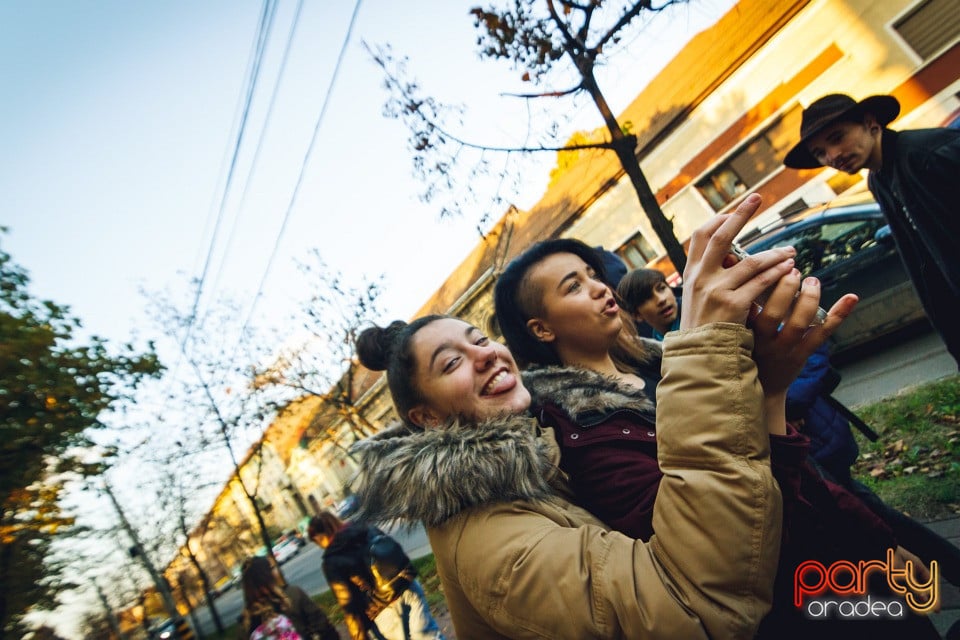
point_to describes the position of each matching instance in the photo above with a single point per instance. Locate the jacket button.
(626, 431)
(574, 436)
(651, 433)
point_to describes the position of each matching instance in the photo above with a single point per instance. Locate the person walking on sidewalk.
(373, 580)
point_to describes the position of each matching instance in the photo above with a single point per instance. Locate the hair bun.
(375, 344)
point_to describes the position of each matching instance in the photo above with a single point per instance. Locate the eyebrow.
(569, 276)
(449, 345)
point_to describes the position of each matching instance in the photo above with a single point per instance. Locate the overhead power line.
(263, 36)
(303, 168)
(263, 135)
(264, 27)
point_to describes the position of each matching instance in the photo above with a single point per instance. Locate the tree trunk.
(264, 534)
(204, 580)
(625, 147)
(190, 609)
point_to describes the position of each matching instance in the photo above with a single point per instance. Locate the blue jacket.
(831, 442)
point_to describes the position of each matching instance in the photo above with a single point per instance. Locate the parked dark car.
(847, 244)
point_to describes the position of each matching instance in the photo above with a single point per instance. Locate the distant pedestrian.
(373, 580)
(273, 612)
(914, 175)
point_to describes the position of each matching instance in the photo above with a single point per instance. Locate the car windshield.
(822, 245)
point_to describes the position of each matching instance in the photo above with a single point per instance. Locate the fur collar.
(432, 475)
(581, 392)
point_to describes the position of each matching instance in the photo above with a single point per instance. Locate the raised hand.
(787, 333)
(713, 293)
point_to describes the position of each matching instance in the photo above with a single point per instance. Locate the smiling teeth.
(494, 382)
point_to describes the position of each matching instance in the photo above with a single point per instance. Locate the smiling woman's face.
(462, 373)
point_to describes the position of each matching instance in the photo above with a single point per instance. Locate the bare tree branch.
(532, 35)
(414, 103)
(575, 46)
(628, 17)
(547, 94)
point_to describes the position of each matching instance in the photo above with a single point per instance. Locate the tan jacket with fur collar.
(518, 560)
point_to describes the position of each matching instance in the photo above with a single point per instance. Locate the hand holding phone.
(737, 251)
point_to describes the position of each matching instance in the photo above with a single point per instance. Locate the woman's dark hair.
(516, 300)
(325, 523)
(260, 585)
(637, 287)
(388, 349)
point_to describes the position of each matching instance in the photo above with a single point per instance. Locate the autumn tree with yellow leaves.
(54, 391)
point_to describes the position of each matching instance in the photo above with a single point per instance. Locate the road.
(304, 571)
(888, 368)
(883, 370)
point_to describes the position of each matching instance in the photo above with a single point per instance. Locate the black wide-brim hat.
(828, 110)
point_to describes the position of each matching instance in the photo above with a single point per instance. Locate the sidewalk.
(949, 594)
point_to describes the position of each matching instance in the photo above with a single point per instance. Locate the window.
(721, 187)
(636, 251)
(752, 163)
(930, 26)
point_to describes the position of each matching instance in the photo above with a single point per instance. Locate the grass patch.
(427, 574)
(230, 633)
(915, 465)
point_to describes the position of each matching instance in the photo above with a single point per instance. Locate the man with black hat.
(914, 175)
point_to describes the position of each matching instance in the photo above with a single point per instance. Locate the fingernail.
(794, 272)
(811, 282)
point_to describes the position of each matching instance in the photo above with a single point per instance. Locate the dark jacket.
(346, 566)
(918, 189)
(308, 617)
(608, 440)
(607, 435)
(831, 442)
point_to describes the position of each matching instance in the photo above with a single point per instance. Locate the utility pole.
(139, 552)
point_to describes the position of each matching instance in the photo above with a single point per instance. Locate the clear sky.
(118, 118)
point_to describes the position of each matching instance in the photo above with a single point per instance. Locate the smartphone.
(740, 254)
